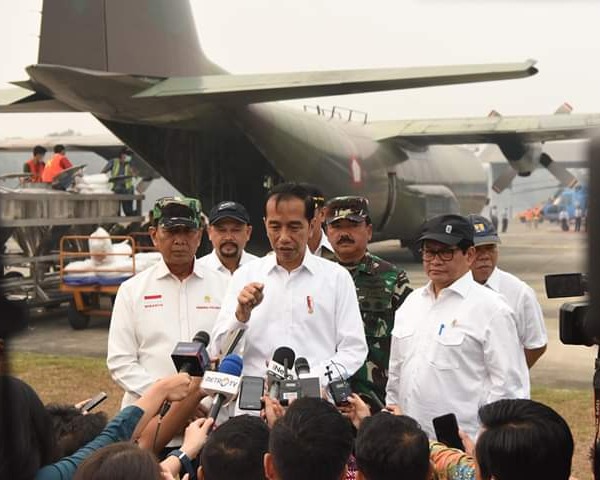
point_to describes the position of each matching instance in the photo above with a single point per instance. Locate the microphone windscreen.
(202, 337)
(282, 354)
(232, 365)
(301, 366)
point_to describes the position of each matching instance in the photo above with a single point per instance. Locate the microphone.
(310, 385)
(277, 370)
(234, 342)
(192, 357)
(224, 384)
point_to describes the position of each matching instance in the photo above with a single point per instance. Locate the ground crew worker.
(381, 287)
(56, 164)
(121, 167)
(35, 165)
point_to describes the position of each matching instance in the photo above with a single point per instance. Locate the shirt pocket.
(405, 340)
(446, 350)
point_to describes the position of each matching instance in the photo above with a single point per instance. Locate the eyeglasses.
(444, 254)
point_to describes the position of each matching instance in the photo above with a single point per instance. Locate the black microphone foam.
(284, 355)
(301, 366)
(202, 337)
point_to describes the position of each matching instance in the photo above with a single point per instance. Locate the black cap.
(229, 209)
(485, 232)
(449, 229)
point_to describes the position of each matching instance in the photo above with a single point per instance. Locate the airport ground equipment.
(35, 219)
(89, 286)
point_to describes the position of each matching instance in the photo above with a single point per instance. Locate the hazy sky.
(274, 35)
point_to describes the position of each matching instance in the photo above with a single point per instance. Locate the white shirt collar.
(494, 280)
(162, 270)
(324, 243)
(308, 262)
(461, 286)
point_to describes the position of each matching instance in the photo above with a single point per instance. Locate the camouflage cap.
(355, 209)
(172, 212)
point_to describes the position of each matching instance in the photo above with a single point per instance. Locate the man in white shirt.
(519, 296)
(318, 243)
(229, 231)
(454, 342)
(293, 298)
(165, 304)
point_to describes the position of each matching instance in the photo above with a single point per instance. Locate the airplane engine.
(523, 158)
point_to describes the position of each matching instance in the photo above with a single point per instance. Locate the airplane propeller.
(559, 172)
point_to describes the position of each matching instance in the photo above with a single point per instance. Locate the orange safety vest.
(53, 168)
(36, 170)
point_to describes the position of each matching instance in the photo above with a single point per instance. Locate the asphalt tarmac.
(526, 252)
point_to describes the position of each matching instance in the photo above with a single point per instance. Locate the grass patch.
(65, 379)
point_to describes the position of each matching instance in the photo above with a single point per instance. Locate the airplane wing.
(23, 100)
(492, 129)
(105, 145)
(285, 86)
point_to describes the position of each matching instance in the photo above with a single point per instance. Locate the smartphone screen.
(94, 402)
(251, 392)
(446, 431)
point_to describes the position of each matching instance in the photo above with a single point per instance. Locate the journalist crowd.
(318, 360)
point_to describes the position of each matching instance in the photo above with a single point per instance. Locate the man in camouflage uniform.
(381, 288)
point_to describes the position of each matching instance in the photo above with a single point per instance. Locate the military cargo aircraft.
(137, 66)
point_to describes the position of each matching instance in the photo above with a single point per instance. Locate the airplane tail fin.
(138, 37)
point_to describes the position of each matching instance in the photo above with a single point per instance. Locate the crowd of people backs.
(457, 339)
(520, 440)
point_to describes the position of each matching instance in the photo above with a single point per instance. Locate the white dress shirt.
(323, 244)
(213, 262)
(528, 312)
(313, 310)
(454, 354)
(153, 311)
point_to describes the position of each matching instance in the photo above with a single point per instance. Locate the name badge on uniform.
(153, 301)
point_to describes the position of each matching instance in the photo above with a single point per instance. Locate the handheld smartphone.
(251, 391)
(94, 402)
(446, 431)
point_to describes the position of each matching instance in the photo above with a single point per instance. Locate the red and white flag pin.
(310, 304)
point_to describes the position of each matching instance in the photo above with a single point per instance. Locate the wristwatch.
(186, 463)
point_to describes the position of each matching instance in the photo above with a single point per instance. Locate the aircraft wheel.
(77, 319)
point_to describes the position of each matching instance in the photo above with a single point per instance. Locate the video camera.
(575, 326)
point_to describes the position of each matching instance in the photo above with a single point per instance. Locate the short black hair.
(125, 151)
(389, 447)
(39, 150)
(59, 148)
(523, 439)
(311, 441)
(236, 449)
(464, 245)
(119, 461)
(73, 429)
(289, 191)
